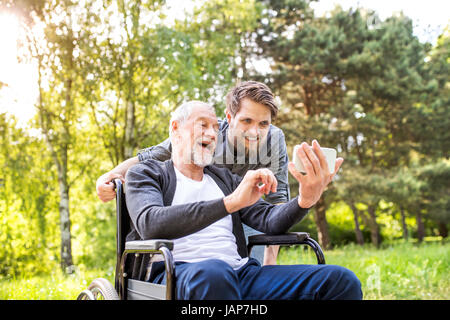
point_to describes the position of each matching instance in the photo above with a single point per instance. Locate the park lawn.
(398, 271)
(56, 286)
(394, 272)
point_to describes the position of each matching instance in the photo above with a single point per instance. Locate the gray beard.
(201, 160)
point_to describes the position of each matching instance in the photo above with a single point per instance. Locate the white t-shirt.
(216, 241)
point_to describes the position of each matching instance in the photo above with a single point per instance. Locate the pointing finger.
(272, 181)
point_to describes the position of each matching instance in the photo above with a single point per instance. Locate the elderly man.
(201, 207)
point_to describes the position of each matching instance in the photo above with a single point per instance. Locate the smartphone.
(330, 155)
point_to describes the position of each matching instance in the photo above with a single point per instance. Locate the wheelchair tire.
(101, 289)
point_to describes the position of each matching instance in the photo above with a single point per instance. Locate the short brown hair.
(253, 90)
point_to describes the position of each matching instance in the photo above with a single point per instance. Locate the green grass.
(56, 286)
(395, 272)
(398, 271)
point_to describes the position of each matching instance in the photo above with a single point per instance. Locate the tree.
(52, 41)
(223, 33)
(434, 190)
(347, 83)
(26, 201)
(137, 72)
(312, 63)
(125, 66)
(403, 189)
(363, 190)
(430, 116)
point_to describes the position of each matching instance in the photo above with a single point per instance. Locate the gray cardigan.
(150, 188)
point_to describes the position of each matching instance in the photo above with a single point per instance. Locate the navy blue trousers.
(215, 279)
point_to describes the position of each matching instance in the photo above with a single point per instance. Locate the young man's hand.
(105, 187)
(317, 177)
(254, 184)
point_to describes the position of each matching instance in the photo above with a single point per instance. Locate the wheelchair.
(132, 275)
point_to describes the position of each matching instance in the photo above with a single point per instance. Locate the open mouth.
(208, 145)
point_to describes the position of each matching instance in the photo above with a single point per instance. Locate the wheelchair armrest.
(289, 238)
(286, 239)
(154, 244)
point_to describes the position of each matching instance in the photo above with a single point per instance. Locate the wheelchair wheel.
(99, 289)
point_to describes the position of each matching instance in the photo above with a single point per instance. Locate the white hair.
(182, 112)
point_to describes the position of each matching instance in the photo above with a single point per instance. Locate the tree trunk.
(374, 228)
(321, 224)
(129, 130)
(420, 226)
(404, 226)
(64, 213)
(42, 224)
(443, 230)
(55, 127)
(64, 219)
(359, 235)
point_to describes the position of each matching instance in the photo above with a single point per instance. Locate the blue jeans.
(257, 251)
(215, 279)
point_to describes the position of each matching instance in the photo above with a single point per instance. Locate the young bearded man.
(202, 207)
(246, 141)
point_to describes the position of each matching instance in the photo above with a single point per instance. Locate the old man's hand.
(317, 177)
(254, 184)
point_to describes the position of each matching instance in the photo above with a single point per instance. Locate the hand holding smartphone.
(316, 179)
(330, 155)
